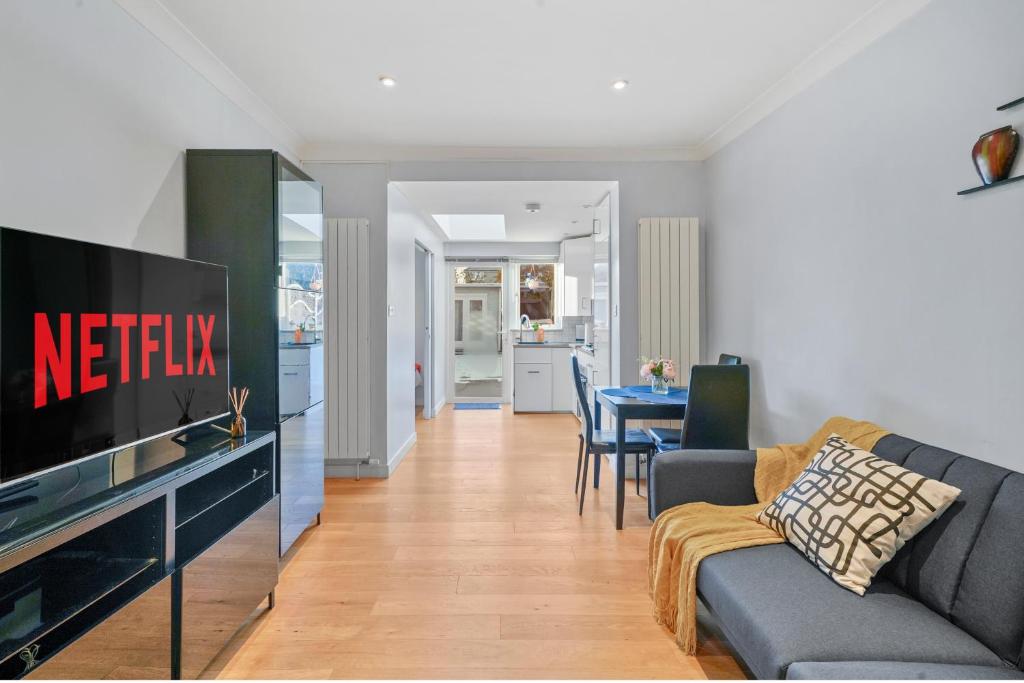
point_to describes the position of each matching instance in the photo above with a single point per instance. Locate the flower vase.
(659, 385)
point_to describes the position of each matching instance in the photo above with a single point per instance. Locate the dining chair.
(667, 438)
(717, 411)
(598, 443)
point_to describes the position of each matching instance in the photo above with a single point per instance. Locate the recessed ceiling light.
(620, 84)
(387, 81)
(533, 208)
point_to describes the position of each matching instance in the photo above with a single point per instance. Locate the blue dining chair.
(598, 443)
(667, 438)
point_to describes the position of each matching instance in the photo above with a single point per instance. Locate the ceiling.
(522, 73)
(561, 203)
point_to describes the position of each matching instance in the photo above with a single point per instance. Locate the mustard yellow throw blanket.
(684, 535)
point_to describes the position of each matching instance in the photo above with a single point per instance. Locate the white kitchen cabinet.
(294, 383)
(533, 387)
(563, 389)
(577, 258)
(300, 375)
(543, 381)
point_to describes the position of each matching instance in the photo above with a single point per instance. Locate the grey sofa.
(950, 605)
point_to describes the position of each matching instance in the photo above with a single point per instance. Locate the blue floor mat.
(477, 406)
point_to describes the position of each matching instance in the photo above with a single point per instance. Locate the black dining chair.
(717, 411)
(667, 438)
(598, 443)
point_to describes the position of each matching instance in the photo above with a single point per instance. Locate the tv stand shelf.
(124, 538)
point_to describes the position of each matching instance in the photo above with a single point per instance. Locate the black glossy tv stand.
(141, 563)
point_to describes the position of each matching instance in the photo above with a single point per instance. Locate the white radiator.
(668, 260)
(348, 366)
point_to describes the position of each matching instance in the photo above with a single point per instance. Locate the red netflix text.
(151, 332)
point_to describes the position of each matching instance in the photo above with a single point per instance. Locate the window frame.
(556, 292)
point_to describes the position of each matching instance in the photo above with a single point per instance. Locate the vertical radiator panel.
(347, 245)
(668, 268)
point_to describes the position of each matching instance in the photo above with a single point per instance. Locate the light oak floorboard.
(471, 562)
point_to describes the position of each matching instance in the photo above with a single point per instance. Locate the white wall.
(501, 249)
(360, 191)
(95, 117)
(406, 227)
(844, 268)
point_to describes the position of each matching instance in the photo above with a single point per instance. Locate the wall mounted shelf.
(1000, 183)
(1011, 105)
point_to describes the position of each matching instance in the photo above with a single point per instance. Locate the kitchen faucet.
(524, 325)
(310, 329)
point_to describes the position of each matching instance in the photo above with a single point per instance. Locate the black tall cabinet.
(262, 217)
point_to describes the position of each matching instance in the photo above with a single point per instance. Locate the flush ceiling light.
(533, 208)
(387, 81)
(620, 84)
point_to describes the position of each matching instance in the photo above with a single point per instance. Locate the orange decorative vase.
(539, 334)
(994, 153)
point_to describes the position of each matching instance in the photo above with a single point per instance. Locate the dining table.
(637, 402)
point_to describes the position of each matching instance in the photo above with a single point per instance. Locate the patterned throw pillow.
(850, 511)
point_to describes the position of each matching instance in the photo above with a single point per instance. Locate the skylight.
(472, 227)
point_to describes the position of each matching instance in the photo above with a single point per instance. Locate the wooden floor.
(470, 562)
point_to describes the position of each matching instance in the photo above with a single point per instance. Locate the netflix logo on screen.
(149, 337)
(103, 347)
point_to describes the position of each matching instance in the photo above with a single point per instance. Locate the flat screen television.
(102, 347)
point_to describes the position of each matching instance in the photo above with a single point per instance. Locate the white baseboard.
(440, 405)
(346, 471)
(374, 471)
(400, 454)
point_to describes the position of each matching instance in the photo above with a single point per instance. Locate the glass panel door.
(478, 333)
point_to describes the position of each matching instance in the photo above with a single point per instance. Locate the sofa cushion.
(898, 671)
(939, 553)
(967, 565)
(849, 511)
(990, 603)
(776, 608)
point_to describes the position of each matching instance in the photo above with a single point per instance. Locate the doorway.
(478, 341)
(424, 306)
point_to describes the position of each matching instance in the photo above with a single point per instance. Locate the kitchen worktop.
(546, 345)
(300, 345)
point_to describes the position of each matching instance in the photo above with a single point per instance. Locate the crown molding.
(168, 29)
(351, 153)
(876, 22)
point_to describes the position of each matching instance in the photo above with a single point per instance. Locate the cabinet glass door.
(300, 257)
(300, 287)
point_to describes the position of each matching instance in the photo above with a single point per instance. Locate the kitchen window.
(537, 295)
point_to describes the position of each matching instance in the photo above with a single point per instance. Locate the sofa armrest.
(690, 476)
(834, 671)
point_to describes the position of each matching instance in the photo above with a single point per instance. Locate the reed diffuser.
(238, 400)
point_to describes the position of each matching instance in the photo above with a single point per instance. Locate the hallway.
(471, 562)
